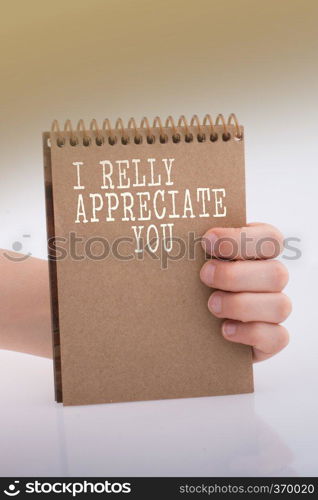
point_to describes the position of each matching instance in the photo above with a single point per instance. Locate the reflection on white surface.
(220, 436)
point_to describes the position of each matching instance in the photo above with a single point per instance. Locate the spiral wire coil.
(182, 130)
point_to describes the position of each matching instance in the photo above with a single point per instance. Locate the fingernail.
(207, 273)
(208, 242)
(215, 303)
(229, 329)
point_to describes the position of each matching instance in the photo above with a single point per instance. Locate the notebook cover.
(133, 326)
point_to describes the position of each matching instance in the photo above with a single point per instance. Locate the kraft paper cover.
(131, 326)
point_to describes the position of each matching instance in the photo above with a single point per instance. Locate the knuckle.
(283, 337)
(269, 242)
(276, 236)
(285, 307)
(280, 275)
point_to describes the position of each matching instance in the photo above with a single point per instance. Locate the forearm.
(25, 323)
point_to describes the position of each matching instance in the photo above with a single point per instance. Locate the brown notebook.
(126, 207)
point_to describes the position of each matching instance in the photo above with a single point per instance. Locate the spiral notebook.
(126, 208)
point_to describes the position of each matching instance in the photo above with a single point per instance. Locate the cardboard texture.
(130, 325)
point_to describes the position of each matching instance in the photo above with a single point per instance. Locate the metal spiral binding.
(207, 130)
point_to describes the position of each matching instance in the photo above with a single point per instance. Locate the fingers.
(245, 306)
(249, 286)
(255, 241)
(266, 339)
(247, 276)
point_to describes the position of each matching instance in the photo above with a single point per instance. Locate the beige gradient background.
(80, 59)
(97, 58)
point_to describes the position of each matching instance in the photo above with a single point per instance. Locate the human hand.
(249, 286)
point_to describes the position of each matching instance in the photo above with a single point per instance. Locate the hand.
(25, 319)
(249, 286)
